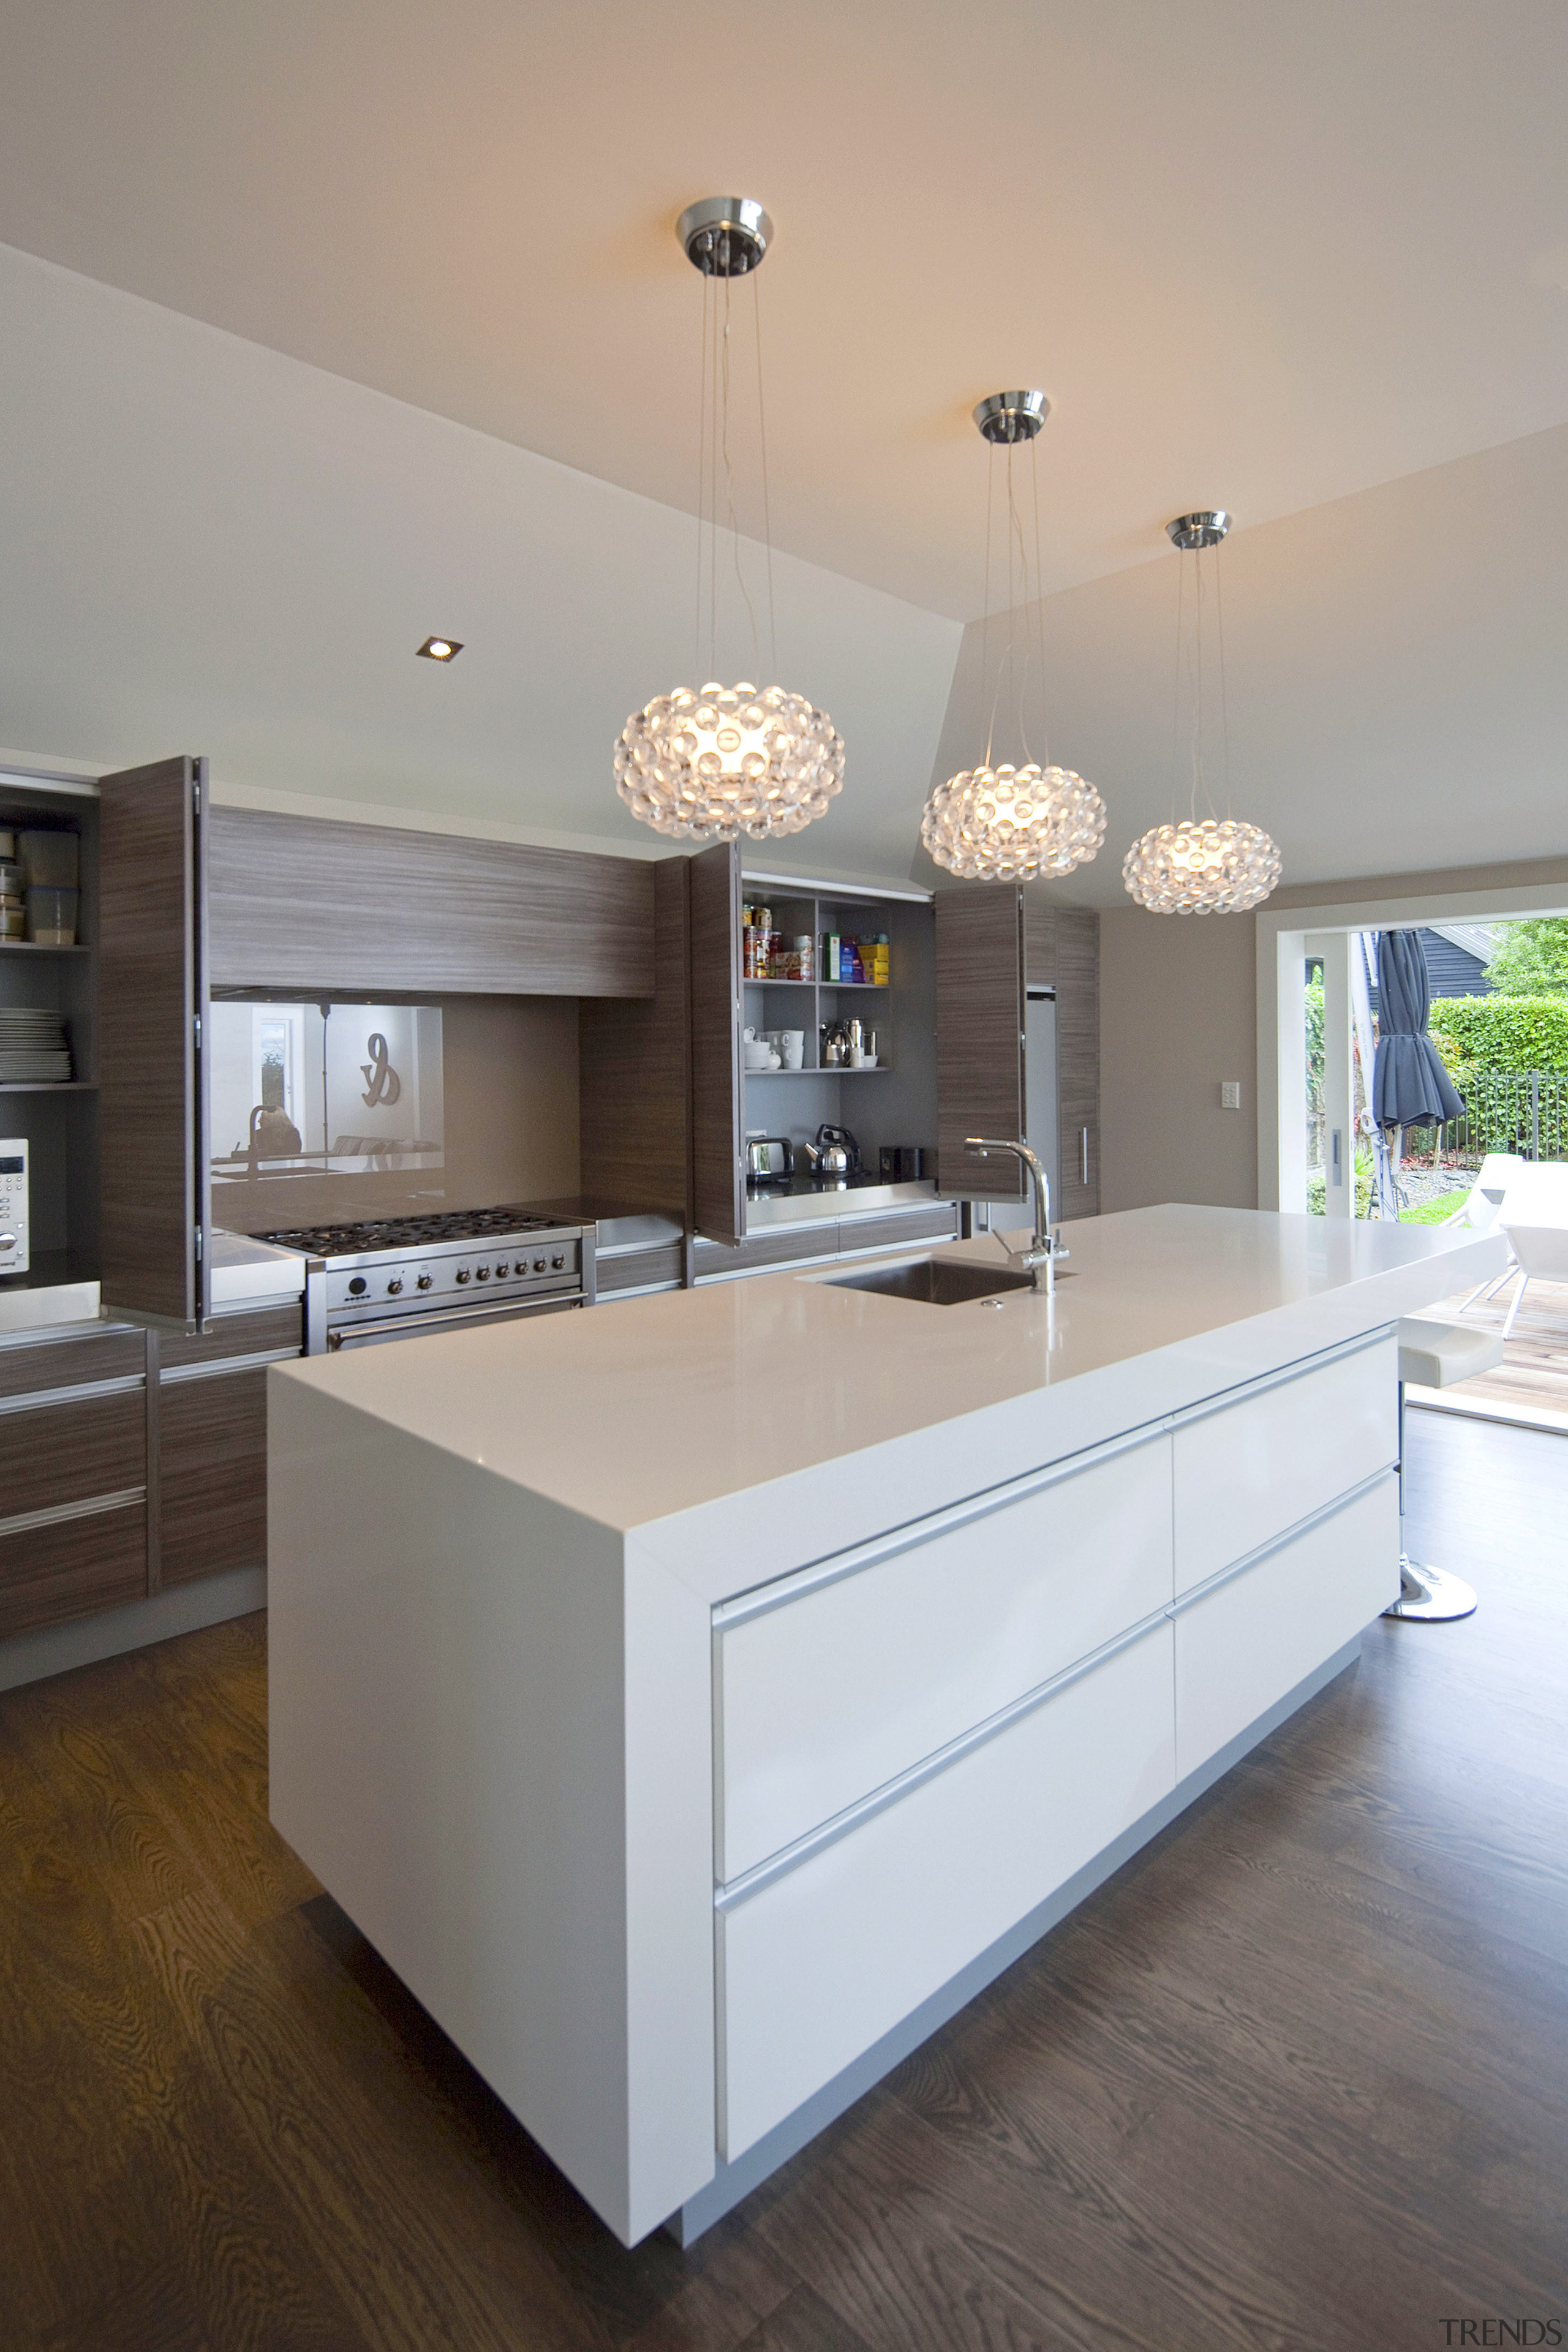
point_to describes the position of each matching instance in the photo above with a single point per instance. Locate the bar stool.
(1435, 1356)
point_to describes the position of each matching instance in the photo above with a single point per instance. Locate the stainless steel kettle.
(838, 1153)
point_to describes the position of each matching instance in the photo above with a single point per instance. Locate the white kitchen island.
(697, 1700)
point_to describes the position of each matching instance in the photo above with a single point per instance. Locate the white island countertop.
(703, 1398)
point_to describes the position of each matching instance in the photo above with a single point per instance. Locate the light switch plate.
(1230, 1094)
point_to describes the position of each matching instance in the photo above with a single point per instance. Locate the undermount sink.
(936, 1281)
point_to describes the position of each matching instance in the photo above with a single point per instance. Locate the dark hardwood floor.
(1297, 2078)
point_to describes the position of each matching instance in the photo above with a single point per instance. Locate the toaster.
(769, 1159)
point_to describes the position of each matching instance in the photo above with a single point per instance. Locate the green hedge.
(1516, 1033)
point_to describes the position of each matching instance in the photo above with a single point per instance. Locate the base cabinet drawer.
(1242, 1646)
(819, 1964)
(1246, 1473)
(68, 1453)
(212, 1475)
(825, 1698)
(72, 1568)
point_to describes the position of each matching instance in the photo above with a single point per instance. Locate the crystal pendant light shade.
(711, 763)
(1211, 865)
(1006, 824)
(1200, 865)
(727, 761)
(1012, 825)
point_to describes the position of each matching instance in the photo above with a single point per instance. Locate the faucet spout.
(1042, 1252)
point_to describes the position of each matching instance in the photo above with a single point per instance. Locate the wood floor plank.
(1296, 2077)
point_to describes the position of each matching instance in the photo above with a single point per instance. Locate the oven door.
(424, 1326)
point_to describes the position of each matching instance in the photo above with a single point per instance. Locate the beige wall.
(1178, 1014)
(509, 1064)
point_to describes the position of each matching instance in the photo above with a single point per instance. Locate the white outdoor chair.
(1540, 1247)
(1434, 1356)
(1483, 1207)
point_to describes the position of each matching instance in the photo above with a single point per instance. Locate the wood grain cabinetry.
(152, 1017)
(73, 1477)
(209, 1413)
(297, 902)
(634, 1120)
(717, 1177)
(131, 1460)
(979, 1036)
(993, 943)
(1078, 1058)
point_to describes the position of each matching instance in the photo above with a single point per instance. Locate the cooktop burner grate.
(407, 1233)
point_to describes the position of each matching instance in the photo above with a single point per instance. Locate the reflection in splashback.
(301, 1093)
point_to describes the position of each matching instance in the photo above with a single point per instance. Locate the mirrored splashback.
(306, 1092)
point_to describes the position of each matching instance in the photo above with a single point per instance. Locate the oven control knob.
(358, 1286)
(423, 1283)
(394, 1286)
(502, 1270)
(539, 1266)
(462, 1276)
(481, 1273)
(558, 1262)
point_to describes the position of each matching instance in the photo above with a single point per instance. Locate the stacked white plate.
(33, 1049)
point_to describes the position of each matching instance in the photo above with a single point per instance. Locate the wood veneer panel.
(212, 1475)
(1040, 943)
(718, 1180)
(1078, 1058)
(780, 1245)
(72, 1568)
(237, 1335)
(66, 1453)
(892, 1232)
(26, 1365)
(151, 991)
(297, 902)
(640, 1268)
(633, 1070)
(979, 1037)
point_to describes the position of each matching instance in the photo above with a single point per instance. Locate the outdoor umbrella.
(1410, 1087)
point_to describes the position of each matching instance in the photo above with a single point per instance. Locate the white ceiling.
(1258, 253)
(210, 548)
(1398, 695)
(1309, 263)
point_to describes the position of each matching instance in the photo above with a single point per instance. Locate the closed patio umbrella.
(1410, 1087)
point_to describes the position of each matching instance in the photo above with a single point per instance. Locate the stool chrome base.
(1430, 1594)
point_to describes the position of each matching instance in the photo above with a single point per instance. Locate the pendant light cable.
(1040, 600)
(730, 495)
(767, 507)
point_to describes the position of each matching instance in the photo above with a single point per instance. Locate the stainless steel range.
(395, 1279)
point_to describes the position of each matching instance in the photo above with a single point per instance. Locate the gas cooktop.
(374, 1234)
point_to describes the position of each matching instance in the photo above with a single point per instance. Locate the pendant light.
(708, 762)
(1008, 824)
(1205, 864)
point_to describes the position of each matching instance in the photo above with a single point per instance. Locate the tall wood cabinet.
(995, 941)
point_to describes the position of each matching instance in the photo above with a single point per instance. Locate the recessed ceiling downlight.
(440, 649)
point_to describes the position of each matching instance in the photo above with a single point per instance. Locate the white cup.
(791, 1043)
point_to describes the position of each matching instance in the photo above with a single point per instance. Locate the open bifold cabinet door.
(155, 1186)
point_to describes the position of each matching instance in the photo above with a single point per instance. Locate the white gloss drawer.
(1242, 1646)
(825, 1698)
(1247, 1472)
(823, 1960)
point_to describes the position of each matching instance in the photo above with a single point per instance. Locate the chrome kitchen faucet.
(1043, 1251)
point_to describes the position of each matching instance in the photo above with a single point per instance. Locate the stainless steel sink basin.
(935, 1281)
